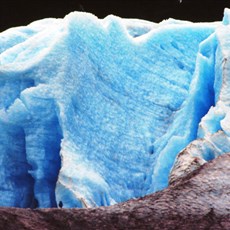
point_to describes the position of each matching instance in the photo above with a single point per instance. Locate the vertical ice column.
(16, 185)
(43, 137)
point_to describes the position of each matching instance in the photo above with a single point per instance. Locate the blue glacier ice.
(94, 111)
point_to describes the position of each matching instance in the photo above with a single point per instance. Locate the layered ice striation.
(94, 111)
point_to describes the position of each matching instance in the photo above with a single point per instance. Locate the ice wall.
(215, 126)
(94, 111)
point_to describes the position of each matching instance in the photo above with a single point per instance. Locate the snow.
(94, 111)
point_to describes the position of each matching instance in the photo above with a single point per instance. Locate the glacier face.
(94, 111)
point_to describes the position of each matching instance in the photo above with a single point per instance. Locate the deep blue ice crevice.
(213, 133)
(214, 127)
(30, 107)
(35, 116)
(200, 98)
(16, 184)
(43, 139)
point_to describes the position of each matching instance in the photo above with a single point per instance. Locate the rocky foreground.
(201, 200)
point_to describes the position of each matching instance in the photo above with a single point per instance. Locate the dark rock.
(60, 204)
(188, 160)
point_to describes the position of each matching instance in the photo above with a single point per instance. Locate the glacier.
(95, 111)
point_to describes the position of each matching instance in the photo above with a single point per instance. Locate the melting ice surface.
(94, 111)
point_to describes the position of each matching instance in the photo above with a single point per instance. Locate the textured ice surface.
(94, 111)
